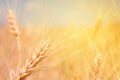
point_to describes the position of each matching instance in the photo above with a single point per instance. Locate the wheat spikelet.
(95, 69)
(33, 61)
(96, 27)
(14, 27)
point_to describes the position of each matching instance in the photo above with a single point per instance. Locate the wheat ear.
(95, 69)
(40, 54)
(14, 27)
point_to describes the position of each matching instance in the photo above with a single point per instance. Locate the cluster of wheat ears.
(36, 58)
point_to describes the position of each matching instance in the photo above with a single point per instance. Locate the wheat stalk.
(16, 33)
(14, 28)
(40, 54)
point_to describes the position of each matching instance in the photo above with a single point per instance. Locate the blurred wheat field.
(89, 56)
(60, 52)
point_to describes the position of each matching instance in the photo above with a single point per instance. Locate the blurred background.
(84, 34)
(60, 12)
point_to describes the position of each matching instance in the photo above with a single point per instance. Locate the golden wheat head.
(31, 63)
(14, 28)
(13, 24)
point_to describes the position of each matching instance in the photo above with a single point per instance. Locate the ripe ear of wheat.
(14, 28)
(31, 63)
(13, 24)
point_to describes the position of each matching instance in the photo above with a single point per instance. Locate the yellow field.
(76, 53)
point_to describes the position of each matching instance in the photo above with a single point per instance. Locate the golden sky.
(63, 12)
